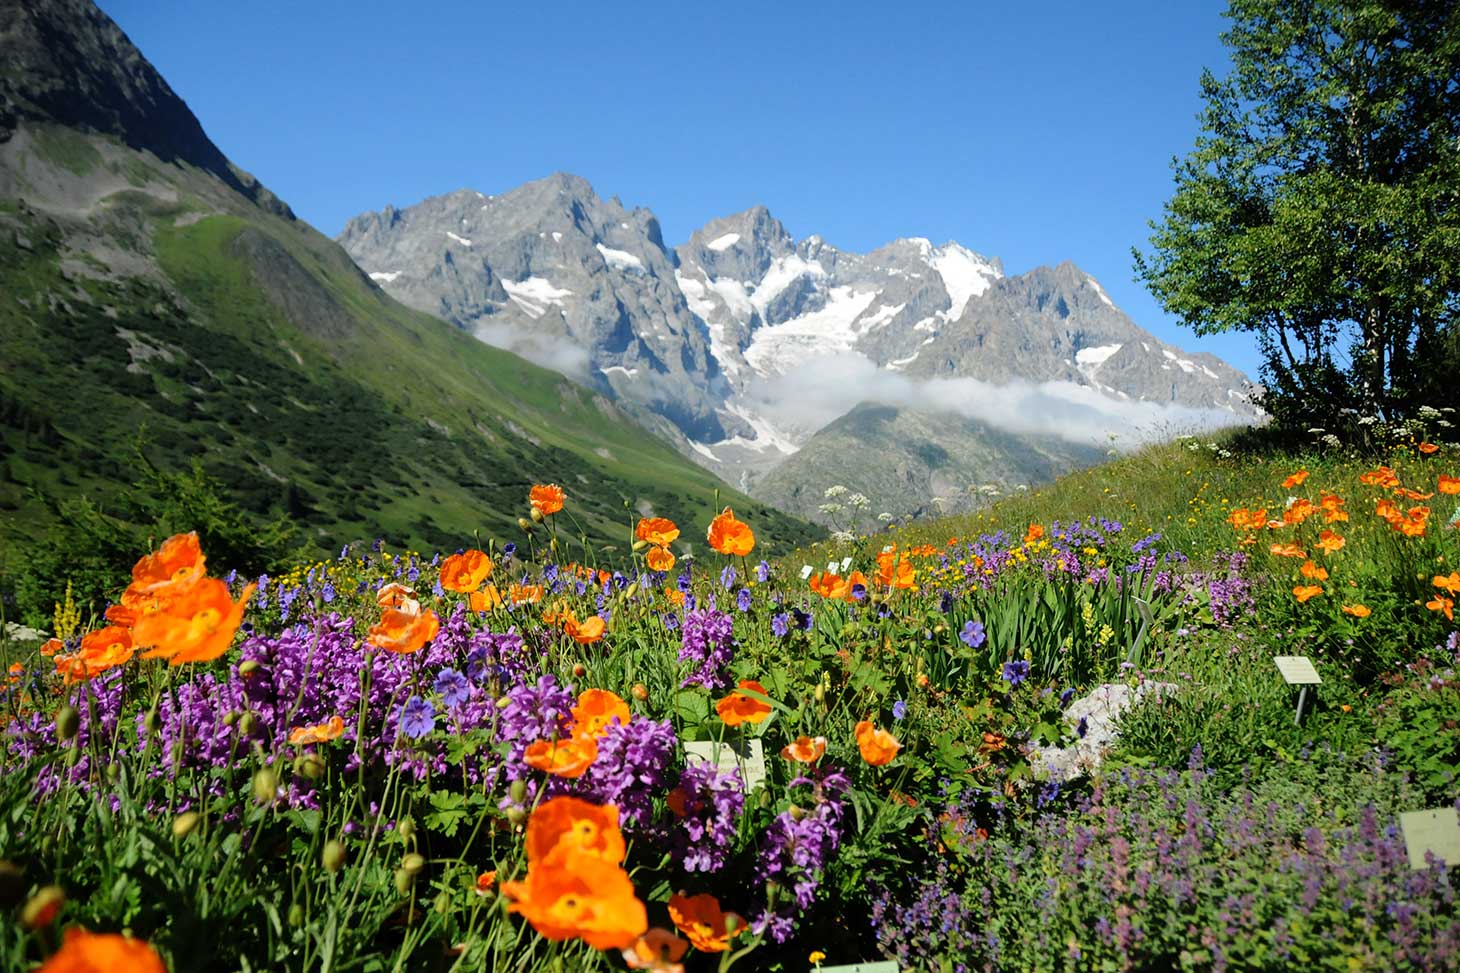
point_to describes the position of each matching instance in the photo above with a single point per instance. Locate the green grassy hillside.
(254, 345)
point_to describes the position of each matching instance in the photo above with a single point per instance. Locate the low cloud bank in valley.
(811, 395)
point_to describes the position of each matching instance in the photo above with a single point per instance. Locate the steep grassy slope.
(251, 342)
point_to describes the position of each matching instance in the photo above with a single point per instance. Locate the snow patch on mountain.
(535, 294)
(723, 242)
(621, 259)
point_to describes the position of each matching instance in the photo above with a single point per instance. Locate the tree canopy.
(1320, 207)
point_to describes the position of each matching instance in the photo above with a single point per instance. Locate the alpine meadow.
(497, 586)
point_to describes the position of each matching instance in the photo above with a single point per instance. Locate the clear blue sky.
(1033, 132)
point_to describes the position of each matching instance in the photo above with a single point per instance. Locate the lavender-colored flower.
(794, 851)
(762, 572)
(1066, 696)
(633, 762)
(707, 805)
(453, 687)
(780, 624)
(973, 634)
(327, 593)
(707, 642)
(1016, 672)
(743, 599)
(727, 577)
(417, 718)
(899, 710)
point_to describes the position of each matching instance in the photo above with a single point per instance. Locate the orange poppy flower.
(197, 624)
(51, 647)
(1329, 542)
(1428, 448)
(596, 711)
(1300, 511)
(1383, 476)
(700, 918)
(1357, 611)
(658, 531)
(466, 571)
(525, 594)
(829, 585)
(579, 896)
(318, 733)
(178, 561)
(102, 952)
(396, 595)
(563, 824)
(1447, 582)
(488, 599)
(403, 632)
(563, 758)
(674, 596)
(1412, 494)
(547, 499)
(805, 749)
(1296, 480)
(854, 579)
(659, 950)
(1311, 570)
(1287, 550)
(730, 536)
(1442, 604)
(485, 882)
(1449, 484)
(1244, 519)
(586, 632)
(992, 743)
(1332, 507)
(738, 708)
(1387, 509)
(1304, 592)
(893, 572)
(121, 615)
(659, 559)
(1034, 533)
(878, 746)
(107, 647)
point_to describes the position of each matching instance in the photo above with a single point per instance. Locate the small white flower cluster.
(843, 536)
(832, 492)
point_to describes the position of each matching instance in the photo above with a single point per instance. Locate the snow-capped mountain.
(749, 341)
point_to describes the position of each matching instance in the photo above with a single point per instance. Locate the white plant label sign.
(748, 758)
(1436, 830)
(1297, 670)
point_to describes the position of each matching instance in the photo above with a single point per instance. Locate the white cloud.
(813, 394)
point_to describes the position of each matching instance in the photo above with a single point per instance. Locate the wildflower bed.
(494, 759)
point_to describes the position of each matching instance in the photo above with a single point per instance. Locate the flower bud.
(503, 702)
(230, 717)
(639, 545)
(333, 856)
(184, 824)
(296, 915)
(631, 590)
(265, 785)
(247, 724)
(640, 692)
(579, 670)
(819, 693)
(113, 773)
(797, 812)
(43, 908)
(406, 828)
(525, 524)
(309, 765)
(68, 723)
(403, 880)
(442, 905)
(517, 790)
(553, 545)
(940, 629)
(248, 667)
(515, 816)
(412, 864)
(536, 515)
(732, 923)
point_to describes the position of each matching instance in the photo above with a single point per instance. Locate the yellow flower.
(816, 957)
